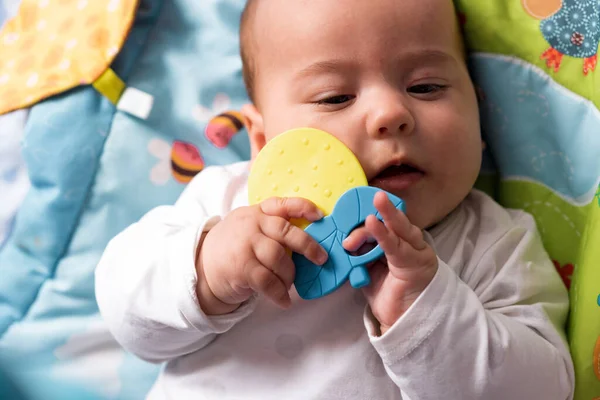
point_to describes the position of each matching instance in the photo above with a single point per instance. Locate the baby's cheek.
(458, 146)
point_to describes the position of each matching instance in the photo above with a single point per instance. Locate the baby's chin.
(423, 209)
(434, 210)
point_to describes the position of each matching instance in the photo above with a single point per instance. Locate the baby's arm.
(496, 334)
(146, 280)
(166, 287)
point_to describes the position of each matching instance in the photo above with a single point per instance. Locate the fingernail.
(319, 214)
(347, 247)
(323, 257)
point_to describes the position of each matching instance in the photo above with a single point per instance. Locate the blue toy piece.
(351, 210)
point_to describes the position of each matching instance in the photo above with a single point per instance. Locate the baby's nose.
(392, 117)
(383, 130)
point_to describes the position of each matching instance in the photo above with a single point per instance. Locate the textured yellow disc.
(307, 163)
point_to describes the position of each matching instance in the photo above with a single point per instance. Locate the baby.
(465, 304)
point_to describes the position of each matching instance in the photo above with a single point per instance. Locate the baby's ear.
(254, 124)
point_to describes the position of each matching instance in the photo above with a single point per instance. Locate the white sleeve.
(490, 335)
(146, 279)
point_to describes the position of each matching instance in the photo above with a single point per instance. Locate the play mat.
(128, 100)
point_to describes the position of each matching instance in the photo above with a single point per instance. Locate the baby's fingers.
(399, 253)
(273, 256)
(387, 240)
(291, 207)
(357, 238)
(263, 280)
(396, 221)
(294, 238)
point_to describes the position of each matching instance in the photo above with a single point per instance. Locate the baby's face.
(387, 78)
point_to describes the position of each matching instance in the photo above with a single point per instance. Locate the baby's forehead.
(283, 34)
(301, 19)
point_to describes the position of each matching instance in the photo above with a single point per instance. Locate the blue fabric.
(16, 385)
(94, 171)
(14, 182)
(13, 172)
(524, 105)
(8, 387)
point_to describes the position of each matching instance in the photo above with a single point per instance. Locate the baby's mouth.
(397, 178)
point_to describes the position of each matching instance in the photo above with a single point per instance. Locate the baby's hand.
(246, 253)
(408, 267)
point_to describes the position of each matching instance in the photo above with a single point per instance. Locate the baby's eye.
(426, 88)
(336, 100)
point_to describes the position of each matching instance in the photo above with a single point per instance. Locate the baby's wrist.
(208, 301)
(211, 304)
(401, 306)
(407, 295)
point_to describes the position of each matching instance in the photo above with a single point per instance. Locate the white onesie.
(489, 326)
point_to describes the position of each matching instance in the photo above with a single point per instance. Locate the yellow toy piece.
(307, 163)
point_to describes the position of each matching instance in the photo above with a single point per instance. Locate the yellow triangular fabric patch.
(51, 46)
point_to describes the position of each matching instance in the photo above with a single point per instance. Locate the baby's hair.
(248, 47)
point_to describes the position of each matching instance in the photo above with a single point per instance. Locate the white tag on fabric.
(135, 102)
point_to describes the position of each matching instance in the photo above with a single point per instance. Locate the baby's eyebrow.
(428, 55)
(407, 58)
(325, 66)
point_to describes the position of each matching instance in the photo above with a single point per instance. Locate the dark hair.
(248, 46)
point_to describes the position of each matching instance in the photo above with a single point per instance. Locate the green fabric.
(505, 27)
(567, 209)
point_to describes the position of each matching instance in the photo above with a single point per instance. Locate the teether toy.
(313, 281)
(306, 163)
(315, 165)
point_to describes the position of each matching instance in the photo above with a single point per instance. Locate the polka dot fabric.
(575, 29)
(51, 46)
